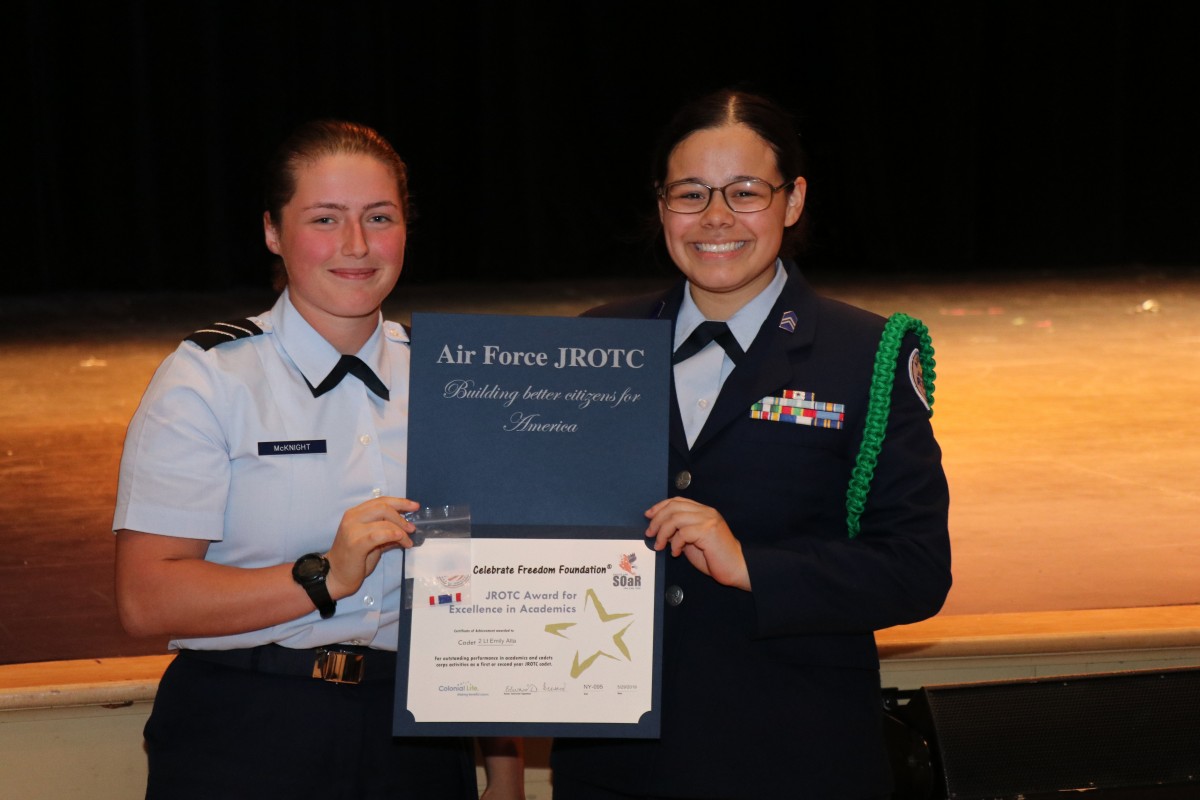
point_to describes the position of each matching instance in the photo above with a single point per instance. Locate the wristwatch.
(309, 571)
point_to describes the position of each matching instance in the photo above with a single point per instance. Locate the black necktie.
(354, 366)
(705, 333)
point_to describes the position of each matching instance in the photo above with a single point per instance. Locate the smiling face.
(341, 237)
(728, 257)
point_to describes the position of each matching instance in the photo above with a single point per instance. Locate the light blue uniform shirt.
(699, 379)
(192, 467)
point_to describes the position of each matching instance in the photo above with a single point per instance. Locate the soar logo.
(628, 564)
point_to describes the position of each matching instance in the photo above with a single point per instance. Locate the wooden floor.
(1066, 407)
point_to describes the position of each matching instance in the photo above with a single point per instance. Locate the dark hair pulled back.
(758, 113)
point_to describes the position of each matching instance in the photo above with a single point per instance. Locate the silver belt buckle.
(339, 666)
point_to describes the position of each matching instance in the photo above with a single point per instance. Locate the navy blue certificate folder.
(539, 420)
(552, 428)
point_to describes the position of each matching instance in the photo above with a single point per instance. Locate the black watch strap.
(309, 571)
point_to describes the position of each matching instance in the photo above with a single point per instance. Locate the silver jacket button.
(674, 595)
(683, 480)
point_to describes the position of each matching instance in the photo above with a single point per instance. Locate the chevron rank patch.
(221, 332)
(799, 408)
(917, 378)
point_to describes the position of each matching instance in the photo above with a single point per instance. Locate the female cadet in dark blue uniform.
(260, 513)
(770, 672)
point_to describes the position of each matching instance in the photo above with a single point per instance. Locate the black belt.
(338, 663)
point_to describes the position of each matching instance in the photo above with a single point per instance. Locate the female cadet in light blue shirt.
(260, 513)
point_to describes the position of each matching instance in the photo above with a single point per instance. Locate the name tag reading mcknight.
(291, 448)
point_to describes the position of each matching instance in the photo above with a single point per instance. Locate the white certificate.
(530, 636)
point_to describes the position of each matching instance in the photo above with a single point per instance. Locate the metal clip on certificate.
(437, 568)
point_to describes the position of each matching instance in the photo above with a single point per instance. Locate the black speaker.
(1128, 734)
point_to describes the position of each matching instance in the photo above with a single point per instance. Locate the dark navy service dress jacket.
(775, 693)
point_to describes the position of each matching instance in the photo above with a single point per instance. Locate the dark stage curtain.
(944, 138)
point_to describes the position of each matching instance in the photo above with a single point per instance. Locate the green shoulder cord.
(880, 406)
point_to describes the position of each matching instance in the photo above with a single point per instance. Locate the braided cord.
(880, 406)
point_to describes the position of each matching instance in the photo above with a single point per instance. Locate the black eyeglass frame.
(662, 194)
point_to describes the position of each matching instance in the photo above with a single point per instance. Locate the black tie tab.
(352, 365)
(707, 332)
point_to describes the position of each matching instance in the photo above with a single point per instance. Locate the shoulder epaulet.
(221, 332)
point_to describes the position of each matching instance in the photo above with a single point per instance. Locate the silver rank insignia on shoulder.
(396, 332)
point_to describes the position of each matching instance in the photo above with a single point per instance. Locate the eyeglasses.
(747, 196)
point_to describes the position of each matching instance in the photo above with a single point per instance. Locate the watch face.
(310, 568)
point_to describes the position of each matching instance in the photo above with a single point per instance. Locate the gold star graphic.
(579, 667)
